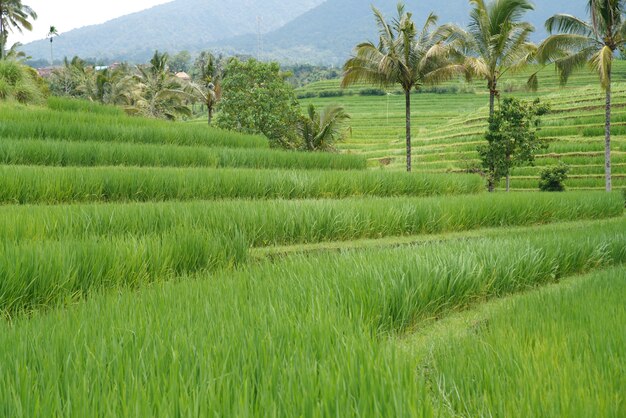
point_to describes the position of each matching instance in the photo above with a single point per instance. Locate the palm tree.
(51, 34)
(156, 92)
(14, 15)
(208, 90)
(496, 41)
(321, 130)
(403, 56)
(579, 43)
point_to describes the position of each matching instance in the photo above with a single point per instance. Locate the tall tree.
(52, 33)
(577, 43)
(496, 41)
(403, 56)
(14, 16)
(208, 87)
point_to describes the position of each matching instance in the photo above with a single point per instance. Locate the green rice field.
(170, 269)
(449, 124)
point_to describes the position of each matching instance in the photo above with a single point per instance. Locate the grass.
(281, 222)
(30, 185)
(93, 154)
(81, 249)
(558, 356)
(45, 124)
(303, 337)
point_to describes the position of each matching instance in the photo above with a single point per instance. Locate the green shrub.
(331, 93)
(552, 178)
(372, 92)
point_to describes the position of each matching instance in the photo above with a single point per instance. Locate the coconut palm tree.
(403, 56)
(51, 34)
(14, 15)
(156, 92)
(320, 130)
(208, 89)
(577, 43)
(496, 41)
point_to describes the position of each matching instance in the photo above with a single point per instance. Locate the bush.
(331, 93)
(307, 95)
(552, 178)
(372, 92)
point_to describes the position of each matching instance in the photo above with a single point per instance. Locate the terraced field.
(153, 269)
(447, 127)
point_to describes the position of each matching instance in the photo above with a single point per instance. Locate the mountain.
(174, 26)
(295, 31)
(329, 32)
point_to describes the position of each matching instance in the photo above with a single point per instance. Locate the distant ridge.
(174, 26)
(295, 31)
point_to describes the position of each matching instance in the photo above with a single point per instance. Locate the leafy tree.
(321, 130)
(256, 99)
(578, 43)
(181, 61)
(158, 93)
(403, 56)
(496, 41)
(552, 178)
(512, 139)
(14, 15)
(51, 35)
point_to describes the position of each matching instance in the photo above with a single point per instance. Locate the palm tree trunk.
(492, 101)
(210, 111)
(407, 94)
(607, 136)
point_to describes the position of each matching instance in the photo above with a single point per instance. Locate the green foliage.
(14, 16)
(257, 100)
(536, 343)
(512, 138)
(19, 83)
(322, 324)
(552, 178)
(71, 123)
(321, 130)
(52, 152)
(100, 184)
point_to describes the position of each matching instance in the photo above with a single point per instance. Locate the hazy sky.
(70, 14)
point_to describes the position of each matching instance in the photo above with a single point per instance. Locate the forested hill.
(311, 31)
(328, 33)
(174, 26)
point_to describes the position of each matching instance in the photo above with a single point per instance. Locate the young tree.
(403, 56)
(256, 99)
(512, 139)
(578, 43)
(321, 130)
(14, 15)
(496, 41)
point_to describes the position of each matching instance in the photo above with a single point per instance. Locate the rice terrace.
(320, 208)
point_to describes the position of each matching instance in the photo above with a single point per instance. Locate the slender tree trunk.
(508, 174)
(407, 94)
(607, 136)
(492, 101)
(210, 111)
(51, 54)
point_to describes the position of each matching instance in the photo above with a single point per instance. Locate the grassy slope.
(183, 318)
(448, 127)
